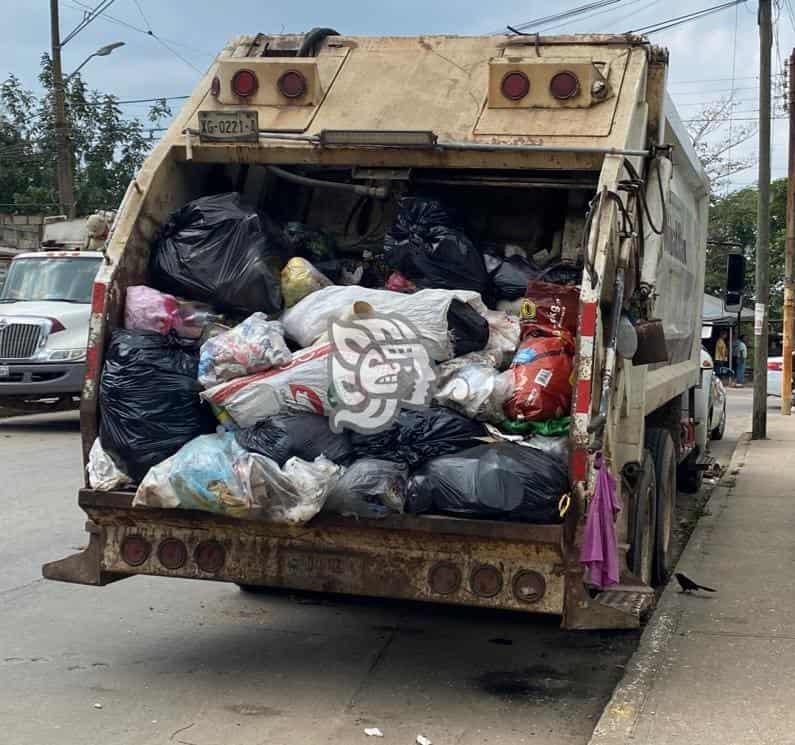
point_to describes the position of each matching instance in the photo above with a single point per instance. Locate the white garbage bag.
(301, 385)
(103, 473)
(309, 319)
(476, 390)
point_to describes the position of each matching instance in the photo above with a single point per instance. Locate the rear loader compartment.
(556, 178)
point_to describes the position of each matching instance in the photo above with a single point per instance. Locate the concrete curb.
(616, 725)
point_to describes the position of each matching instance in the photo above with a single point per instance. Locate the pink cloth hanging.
(599, 550)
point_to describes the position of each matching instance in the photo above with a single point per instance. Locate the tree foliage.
(732, 227)
(107, 147)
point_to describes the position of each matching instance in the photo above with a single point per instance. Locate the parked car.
(710, 402)
(775, 366)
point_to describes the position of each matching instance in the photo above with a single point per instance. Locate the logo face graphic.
(378, 365)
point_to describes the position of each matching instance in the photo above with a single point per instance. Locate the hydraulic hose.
(312, 38)
(379, 192)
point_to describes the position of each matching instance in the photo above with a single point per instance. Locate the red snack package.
(550, 305)
(543, 377)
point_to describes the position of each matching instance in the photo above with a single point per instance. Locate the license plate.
(225, 126)
(5, 371)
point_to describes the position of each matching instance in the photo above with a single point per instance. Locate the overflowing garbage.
(218, 394)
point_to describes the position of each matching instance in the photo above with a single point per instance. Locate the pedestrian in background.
(739, 364)
(721, 355)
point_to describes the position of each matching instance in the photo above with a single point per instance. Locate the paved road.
(173, 661)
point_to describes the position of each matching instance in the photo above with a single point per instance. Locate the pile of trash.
(220, 392)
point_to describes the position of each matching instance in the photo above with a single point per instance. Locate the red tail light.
(515, 85)
(172, 553)
(210, 556)
(135, 550)
(564, 85)
(775, 366)
(244, 83)
(292, 84)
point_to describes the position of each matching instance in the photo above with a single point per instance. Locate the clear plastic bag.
(210, 473)
(293, 494)
(370, 488)
(299, 279)
(252, 346)
(103, 473)
(477, 391)
(146, 309)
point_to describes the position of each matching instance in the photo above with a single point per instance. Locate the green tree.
(107, 147)
(732, 227)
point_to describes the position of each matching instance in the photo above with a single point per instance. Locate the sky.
(708, 57)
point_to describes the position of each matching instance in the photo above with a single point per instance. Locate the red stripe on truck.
(588, 319)
(579, 464)
(98, 292)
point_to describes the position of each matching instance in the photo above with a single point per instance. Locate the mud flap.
(84, 567)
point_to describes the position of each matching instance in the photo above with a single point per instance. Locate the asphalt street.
(155, 661)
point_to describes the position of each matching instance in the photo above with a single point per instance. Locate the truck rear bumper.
(437, 559)
(31, 381)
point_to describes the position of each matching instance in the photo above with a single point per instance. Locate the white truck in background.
(45, 306)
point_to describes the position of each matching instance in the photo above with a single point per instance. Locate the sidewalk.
(719, 668)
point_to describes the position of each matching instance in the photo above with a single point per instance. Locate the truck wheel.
(641, 555)
(662, 449)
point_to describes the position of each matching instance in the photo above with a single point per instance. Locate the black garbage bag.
(424, 245)
(419, 435)
(306, 436)
(312, 244)
(562, 273)
(216, 249)
(511, 277)
(469, 331)
(496, 480)
(369, 488)
(149, 399)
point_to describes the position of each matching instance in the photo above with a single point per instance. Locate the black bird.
(688, 585)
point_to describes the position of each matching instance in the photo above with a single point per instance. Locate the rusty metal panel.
(354, 559)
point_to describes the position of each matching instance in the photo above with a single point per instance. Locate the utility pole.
(786, 374)
(762, 291)
(63, 153)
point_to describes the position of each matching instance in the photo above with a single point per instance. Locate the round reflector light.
(564, 85)
(486, 581)
(172, 553)
(292, 84)
(244, 83)
(444, 578)
(515, 85)
(135, 550)
(529, 586)
(210, 556)
(215, 86)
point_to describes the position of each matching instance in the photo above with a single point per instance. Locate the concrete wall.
(21, 231)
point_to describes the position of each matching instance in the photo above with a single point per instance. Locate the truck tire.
(641, 554)
(661, 446)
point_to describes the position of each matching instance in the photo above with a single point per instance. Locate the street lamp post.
(63, 153)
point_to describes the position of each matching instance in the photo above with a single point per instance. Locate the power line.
(81, 6)
(89, 16)
(559, 16)
(602, 12)
(686, 18)
(143, 15)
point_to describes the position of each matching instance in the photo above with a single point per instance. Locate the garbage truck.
(568, 145)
